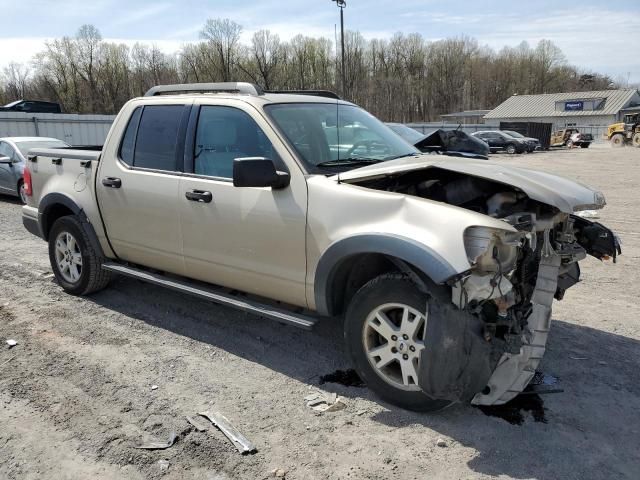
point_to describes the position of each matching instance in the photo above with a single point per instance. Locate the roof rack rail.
(315, 93)
(226, 87)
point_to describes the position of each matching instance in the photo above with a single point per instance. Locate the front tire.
(617, 140)
(75, 263)
(511, 149)
(384, 333)
(636, 140)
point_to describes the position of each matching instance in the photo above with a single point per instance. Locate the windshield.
(409, 134)
(24, 147)
(330, 136)
(513, 134)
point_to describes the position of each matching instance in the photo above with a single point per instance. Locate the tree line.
(404, 78)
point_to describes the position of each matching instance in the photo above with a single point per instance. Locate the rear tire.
(21, 194)
(386, 316)
(75, 263)
(617, 140)
(636, 140)
(584, 145)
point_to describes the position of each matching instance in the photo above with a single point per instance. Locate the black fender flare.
(49, 201)
(422, 257)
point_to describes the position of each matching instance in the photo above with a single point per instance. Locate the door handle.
(199, 196)
(112, 182)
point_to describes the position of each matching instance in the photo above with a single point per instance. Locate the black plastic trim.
(32, 225)
(425, 259)
(48, 202)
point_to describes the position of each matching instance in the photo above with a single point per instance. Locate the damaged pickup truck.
(299, 207)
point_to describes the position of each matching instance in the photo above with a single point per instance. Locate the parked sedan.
(533, 144)
(499, 141)
(13, 156)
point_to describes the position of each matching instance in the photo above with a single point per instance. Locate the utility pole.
(341, 5)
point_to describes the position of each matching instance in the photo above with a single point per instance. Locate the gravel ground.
(76, 392)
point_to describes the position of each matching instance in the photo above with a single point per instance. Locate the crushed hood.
(565, 194)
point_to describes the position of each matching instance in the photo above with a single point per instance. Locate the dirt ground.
(76, 392)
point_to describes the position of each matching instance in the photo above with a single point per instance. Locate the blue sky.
(592, 33)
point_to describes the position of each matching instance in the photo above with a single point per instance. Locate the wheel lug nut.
(405, 356)
(394, 350)
(412, 348)
(405, 336)
(394, 338)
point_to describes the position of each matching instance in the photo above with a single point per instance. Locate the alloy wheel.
(393, 338)
(68, 257)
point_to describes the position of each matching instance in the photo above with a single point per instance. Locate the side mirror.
(6, 160)
(258, 172)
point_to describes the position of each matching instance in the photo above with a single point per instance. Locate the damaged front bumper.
(489, 361)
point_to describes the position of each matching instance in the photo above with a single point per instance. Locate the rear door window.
(152, 136)
(157, 139)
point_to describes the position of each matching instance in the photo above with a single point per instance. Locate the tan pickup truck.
(299, 207)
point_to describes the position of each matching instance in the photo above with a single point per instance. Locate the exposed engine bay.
(508, 291)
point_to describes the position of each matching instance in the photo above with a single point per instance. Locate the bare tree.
(404, 78)
(223, 36)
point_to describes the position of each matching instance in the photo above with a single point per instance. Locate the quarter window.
(224, 134)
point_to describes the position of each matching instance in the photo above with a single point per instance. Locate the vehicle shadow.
(593, 424)
(9, 199)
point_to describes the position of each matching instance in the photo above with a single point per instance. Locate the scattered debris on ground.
(243, 445)
(279, 473)
(441, 442)
(163, 465)
(7, 361)
(159, 444)
(198, 423)
(12, 343)
(325, 402)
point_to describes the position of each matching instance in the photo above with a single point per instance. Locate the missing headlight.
(491, 249)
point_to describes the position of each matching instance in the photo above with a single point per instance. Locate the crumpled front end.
(486, 340)
(488, 348)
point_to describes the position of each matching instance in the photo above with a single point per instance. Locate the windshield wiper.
(348, 161)
(411, 154)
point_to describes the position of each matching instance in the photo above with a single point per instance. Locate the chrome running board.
(214, 294)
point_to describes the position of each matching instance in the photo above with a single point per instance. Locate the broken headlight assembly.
(492, 250)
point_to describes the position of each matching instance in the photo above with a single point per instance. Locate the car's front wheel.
(511, 149)
(385, 332)
(74, 261)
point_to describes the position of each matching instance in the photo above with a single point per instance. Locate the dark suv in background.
(32, 106)
(499, 141)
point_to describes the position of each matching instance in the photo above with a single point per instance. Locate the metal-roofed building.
(595, 109)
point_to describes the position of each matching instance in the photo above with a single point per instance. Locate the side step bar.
(215, 295)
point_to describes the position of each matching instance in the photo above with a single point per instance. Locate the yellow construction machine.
(626, 132)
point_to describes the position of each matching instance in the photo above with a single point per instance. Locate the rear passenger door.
(249, 239)
(137, 187)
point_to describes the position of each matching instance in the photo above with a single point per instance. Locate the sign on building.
(573, 106)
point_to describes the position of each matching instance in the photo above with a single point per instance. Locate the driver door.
(252, 238)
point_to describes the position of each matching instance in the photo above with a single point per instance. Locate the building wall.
(596, 125)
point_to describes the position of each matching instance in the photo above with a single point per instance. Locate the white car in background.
(13, 156)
